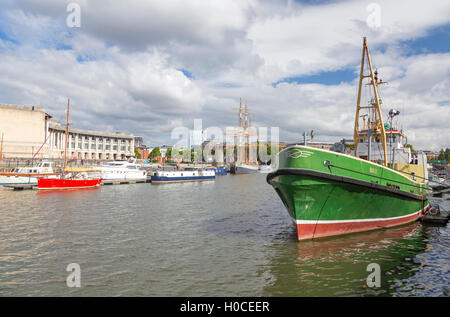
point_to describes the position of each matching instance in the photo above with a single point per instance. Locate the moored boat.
(70, 178)
(328, 193)
(244, 169)
(182, 176)
(122, 170)
(265, 168)
(27, 175)
(217, 170)
(67, 183)
(245, 164)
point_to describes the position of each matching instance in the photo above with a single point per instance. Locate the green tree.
(447, 154)
(169, 153)
(410, 146)
(441, 156)
(156, 152)
(137, 154)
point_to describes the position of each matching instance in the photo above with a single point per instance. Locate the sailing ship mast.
(67, 134)
(243, 133)
(1, 150)
(246, 137)
(239, 154)
(375, 126)
(247, 134)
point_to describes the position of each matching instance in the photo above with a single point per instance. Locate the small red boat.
(61, 183)
(71, 178)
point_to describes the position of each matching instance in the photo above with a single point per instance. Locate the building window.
(100, 146)
(114, 147)
(122, 148)
(107, 146)
(86, 145)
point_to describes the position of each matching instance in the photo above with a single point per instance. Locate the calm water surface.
(231, 237)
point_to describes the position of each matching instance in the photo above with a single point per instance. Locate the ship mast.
(239, 147)
(67, 134)
(243, 133)
(247, 134)
(246, 138)
(375, 127)
(1, 150)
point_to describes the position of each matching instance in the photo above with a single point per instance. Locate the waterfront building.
(196, 138)
(138, 141)
(24, 129)
(143, 150)
(90, 145)
(29, 130)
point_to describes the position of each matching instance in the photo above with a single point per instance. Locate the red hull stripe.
(316, 229)
(51, 183)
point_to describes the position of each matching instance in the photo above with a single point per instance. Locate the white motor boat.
(27, 175)
(122, 170)
(265, 168)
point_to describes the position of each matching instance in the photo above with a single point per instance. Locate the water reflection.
(338, 266)
(66, 192)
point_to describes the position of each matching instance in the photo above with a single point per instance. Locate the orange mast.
(67, 134)
(375, 127)
(1, 150)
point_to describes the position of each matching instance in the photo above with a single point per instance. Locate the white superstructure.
(122, 170)
(26, 175)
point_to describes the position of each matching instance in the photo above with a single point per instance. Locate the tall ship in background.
(244, 164)
(383, 185)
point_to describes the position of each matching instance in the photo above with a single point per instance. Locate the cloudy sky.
(146, 67)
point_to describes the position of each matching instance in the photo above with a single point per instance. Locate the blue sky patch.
(324, 78)
(444, 103)
(436, 41)
(227, 85)
(186, 73)
(4, 37)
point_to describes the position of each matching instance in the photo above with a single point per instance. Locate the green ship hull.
(328, 193)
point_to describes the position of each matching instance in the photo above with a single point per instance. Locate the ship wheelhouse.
(396, 152)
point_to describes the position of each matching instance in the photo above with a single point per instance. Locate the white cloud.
(328, 37)
(122, 68)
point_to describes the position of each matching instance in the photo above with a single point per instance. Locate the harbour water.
(229, 237)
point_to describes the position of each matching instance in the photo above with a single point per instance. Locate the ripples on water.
(231, 237)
